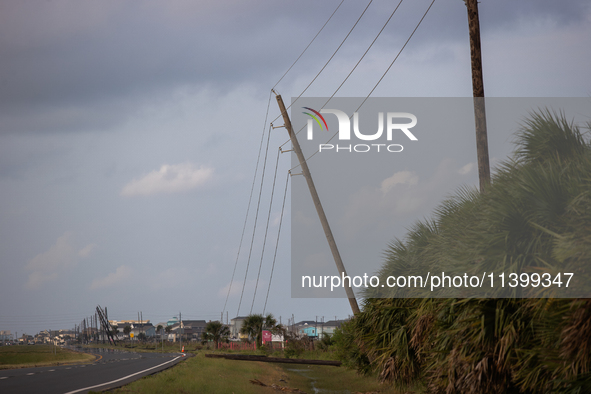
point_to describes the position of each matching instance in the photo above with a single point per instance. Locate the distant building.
(235, 327)
(191, 330)
(329, 327)
(147, 329)
(123, 323)
(315, 329)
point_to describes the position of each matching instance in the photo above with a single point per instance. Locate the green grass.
(169, 347)
(212, 375)
(338, 380)
(38, 355)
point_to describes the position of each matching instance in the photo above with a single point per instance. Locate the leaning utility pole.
(327, 232)
(478, 93)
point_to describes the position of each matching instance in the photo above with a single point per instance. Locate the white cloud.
(85, 251)
(399, 196)
(121, 273)
(171, 178)
(466, 169)
(401, 177)
(47, 266)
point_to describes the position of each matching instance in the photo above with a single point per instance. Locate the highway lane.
(111, 369)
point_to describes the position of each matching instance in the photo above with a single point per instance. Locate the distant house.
(329, 327)
(315, 329)
(235, 327)
(302, 328)
(310, 331)
(5, 336)
(193, 329)
(147, 329)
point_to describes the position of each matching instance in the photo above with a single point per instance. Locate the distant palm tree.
(253, 326)
(216, 332)
(127, 330)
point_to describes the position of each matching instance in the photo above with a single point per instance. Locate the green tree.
(127, 330)
(534, 218)
(254, 325)
(216, 331)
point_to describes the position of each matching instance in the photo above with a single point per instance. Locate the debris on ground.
(277, 387)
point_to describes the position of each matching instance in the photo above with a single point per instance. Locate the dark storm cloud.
(67, 65)
(81, 59)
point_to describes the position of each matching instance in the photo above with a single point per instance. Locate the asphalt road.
(113, 368)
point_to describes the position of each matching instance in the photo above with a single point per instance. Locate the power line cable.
(249, 201)
(255, 221)
(383, 75)
(358, 62)
(266, 230)
(304, 51)
(277, 243)
(329, 60)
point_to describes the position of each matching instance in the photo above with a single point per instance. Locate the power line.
(358, 62)
(383, 75)
(255, 221)
(304, 51)
(329, 60)
(277, 243)
(266, 230)
(249, 201)
(399, 52)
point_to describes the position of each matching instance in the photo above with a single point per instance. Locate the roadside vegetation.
(209, 375)
(535, 218)
(38, 356)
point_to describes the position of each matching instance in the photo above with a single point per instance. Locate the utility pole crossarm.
(322, 216)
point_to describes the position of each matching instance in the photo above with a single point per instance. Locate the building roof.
(306, 323)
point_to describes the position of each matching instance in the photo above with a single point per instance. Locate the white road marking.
(3, 377)
(31, 373)
(123, 378)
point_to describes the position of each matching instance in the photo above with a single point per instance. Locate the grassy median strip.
(213, 375)
(39, 356)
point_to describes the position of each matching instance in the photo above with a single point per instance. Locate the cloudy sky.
(130, 132)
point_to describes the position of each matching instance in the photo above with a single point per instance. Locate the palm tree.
(216, 331)
(253, 326)
(127, 330)
(535, 219)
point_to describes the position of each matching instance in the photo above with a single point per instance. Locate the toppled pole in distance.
(327, 231)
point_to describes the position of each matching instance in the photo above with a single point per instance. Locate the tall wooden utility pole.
(478, 92)
(327, 232)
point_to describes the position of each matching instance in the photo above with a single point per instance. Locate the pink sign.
(267, 336)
